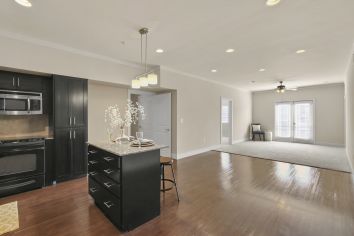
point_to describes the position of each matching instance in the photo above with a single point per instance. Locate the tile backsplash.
(24, 126)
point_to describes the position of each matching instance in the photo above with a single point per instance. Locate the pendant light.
(148, 78)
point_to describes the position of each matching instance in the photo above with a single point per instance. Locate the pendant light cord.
(146, 44)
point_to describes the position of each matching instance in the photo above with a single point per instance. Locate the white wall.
(349, 89)
(198, 111)
(329, 110)
(100, 96)
(198, 101)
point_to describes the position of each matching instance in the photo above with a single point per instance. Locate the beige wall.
(329, 110)
(350, 112)
(100, 96)
(198, 111)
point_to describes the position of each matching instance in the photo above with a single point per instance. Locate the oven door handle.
(23, 150)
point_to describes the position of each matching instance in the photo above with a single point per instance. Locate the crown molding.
(62, 47)
(200, 78)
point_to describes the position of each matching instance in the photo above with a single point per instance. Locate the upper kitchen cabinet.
(20, 82)
(70, 102)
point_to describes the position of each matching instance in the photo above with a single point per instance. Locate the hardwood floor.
(221, 194)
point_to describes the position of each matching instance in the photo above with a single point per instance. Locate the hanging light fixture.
(281, 88)
(148, 78)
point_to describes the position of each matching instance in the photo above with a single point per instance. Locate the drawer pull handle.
(108, 171)
(92, 152)
(93, 162)
(108, 159)
(108, 204)
(108, 184)
(93, 173)
(93, 190)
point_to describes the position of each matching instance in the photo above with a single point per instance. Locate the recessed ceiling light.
(214, 70)
(230, 50)
(300, 51)
(159, 50)
(271, 3)
(24, 3)
(262, 69)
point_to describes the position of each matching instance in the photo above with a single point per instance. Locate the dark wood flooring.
(221, 194)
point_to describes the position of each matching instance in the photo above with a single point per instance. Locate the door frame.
(292, 139)
(232, 119)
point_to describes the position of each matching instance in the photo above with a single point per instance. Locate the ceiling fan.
(281, 88)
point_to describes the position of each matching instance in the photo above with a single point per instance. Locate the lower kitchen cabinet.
(70, 153)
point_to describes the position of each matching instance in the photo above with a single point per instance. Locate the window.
(294, 121)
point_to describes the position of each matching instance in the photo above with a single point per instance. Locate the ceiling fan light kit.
(281, 88)
(147, 78)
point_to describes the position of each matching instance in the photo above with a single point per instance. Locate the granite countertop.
(124, 149)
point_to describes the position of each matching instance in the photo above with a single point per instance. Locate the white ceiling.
(196, 33)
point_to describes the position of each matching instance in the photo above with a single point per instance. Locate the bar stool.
(166, 161)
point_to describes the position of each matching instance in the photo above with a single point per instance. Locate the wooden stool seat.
(166, 160)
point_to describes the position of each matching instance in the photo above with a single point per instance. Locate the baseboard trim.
(330, 144)
(197, 151)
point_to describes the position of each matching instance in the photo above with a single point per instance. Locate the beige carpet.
(8, 217)
(333, 158)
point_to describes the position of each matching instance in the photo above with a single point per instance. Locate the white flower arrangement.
(114, 119)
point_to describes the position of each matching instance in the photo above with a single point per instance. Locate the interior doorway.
(158, 118)
(226, 121)
(294, 121)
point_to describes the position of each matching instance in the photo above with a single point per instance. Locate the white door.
(226, 117)
(283, 121)
(294, 121)
(303, 121)
(161, 104)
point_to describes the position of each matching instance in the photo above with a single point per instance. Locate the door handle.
(108, 159)
(108, 204)
(108, 184)
(93, 173)
(70, 134)
(13, 81)
(70, 120)
(74, 120)
(18, 81)
(93, 190)
(108, 171)
(74, 134)
(29, 105)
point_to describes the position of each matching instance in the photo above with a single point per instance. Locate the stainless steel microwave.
(20, 103)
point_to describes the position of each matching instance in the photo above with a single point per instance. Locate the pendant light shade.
(152, 79)
(144, 81)
(136, 84)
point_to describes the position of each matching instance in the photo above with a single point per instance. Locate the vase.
(123, 138)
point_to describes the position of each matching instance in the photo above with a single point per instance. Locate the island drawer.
(105, 159)
(96, 166)
(106, 182)
(106, 201)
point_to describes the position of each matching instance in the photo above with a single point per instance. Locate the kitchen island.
(124, 181)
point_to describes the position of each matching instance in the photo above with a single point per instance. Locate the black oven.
(22, 166)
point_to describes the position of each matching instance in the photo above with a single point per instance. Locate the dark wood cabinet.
(63, 158)
(70, 127)
(70, 103)
(79, 151)
(20, 81)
